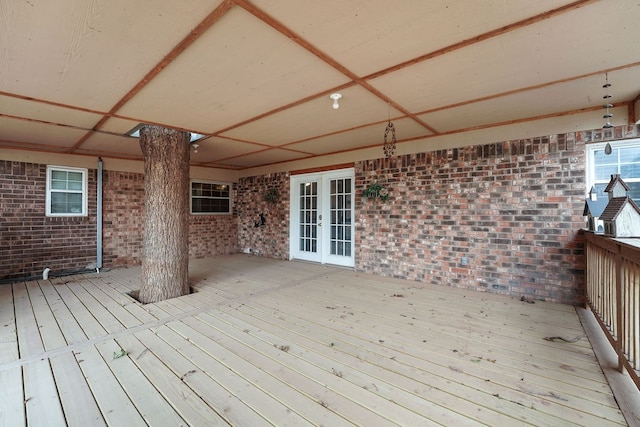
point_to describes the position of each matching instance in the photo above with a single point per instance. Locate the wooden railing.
(613, 293)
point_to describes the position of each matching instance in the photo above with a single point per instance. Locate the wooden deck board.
(452, 342)
(79, 406)
(349, 350)
(114, 309)
(51, 334)
(115, 406)
(334, 378)
(483, 367)
(314, 410)
(117, 301)
(29, 340)
(12, 408)
(251, 397)
(8, 331)
(91, 328)
(445, 356)
(68, 324)
(372, 370)
(418, 327)
(41, 395)
(151, 361)
(266, 342)
(270, 361)
(183, 358)
(149, 403)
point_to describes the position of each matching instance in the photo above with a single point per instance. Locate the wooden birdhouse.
(621, 217)
(593, 208)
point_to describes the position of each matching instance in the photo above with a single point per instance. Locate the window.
(66, 191)
(210, 197)
(624, 160)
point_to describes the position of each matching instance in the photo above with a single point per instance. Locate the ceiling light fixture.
(335, 97)
(389, 146)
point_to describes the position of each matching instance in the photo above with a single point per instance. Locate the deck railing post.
(612, 276)
(619, 309)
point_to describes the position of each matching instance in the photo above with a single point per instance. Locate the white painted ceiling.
(255, 76)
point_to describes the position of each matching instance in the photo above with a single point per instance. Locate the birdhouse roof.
(615, 206)
(594, 207)
(615, 179)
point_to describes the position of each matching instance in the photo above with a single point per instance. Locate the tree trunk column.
(165, 252)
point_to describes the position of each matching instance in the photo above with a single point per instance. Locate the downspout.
(99, 218)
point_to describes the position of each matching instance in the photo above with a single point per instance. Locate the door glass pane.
(340, 243)
(308, 217)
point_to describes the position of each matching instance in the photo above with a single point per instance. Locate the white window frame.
(202, 181)
(590, 163)
(84, 191)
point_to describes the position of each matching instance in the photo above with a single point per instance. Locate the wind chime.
(607, 116)
(389, 146)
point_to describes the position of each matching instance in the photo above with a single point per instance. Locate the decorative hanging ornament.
(389, 146)
(608, 104)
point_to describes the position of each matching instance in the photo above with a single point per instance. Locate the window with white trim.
(66, 191)
(624, 160)
(208, 197)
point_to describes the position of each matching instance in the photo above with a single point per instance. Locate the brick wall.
(122, 218)
(123, 213)
(30, 241)
(511, 211)
(272, 239)
(211, 235)
(502, 217)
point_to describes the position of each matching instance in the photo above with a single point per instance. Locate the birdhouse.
(593, 208)
(621, 217)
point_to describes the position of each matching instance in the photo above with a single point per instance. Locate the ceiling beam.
(482, 37)
(193, 35)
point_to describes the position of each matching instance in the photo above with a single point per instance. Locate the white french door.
(322, 217)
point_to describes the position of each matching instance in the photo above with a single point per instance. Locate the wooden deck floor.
(266, 342)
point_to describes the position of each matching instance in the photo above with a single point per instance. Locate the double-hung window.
(66, 191)
(624, 159)
(210, 198)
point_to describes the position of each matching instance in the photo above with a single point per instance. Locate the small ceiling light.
(335, 97)
(195, 148)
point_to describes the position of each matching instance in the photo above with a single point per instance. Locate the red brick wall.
(123, 213)
(122, 218)
(211, 235)
(30, 241)
(272, 239)
(511, 211)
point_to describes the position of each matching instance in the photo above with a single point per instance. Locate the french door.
(322, 217)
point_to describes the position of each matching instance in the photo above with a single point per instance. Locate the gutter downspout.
(99, 218)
